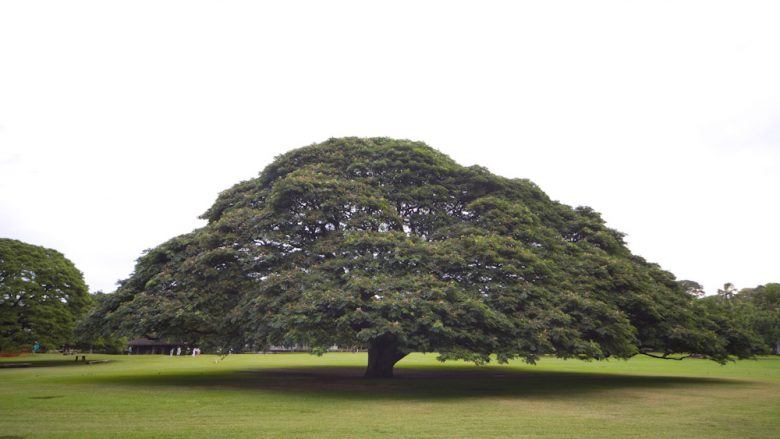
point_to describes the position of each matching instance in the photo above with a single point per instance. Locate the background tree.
(727, 292)
(737, 321)
(765, 303)
(89, 337)
(42, 294)
(393, 246)
(693, 288)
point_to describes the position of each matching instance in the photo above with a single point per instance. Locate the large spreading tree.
(392, 246)
(42, 295)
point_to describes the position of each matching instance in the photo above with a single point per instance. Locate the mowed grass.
(303, 396)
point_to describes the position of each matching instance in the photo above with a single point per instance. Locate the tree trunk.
(383, 353)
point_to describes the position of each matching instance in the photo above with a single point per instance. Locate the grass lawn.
(303, 396)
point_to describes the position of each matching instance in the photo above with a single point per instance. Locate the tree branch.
(665, 356)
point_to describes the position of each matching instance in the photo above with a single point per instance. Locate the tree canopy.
(42, 295)
(392, 246)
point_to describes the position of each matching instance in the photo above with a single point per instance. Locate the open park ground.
(304, 396)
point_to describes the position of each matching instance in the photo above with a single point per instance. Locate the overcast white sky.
(120, 122)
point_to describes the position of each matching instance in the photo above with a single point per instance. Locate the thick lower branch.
(666, 356)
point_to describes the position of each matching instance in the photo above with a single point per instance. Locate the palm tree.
(728, 292)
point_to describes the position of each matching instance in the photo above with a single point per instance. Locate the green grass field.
(303, 396)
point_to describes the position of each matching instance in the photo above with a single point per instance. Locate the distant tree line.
(750, 310)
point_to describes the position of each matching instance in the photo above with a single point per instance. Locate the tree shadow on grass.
(9, 365)
(420, 383)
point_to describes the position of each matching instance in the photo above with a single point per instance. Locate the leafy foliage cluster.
(390, 244)
(42, 295)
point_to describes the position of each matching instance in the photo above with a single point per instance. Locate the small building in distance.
(148, 345)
